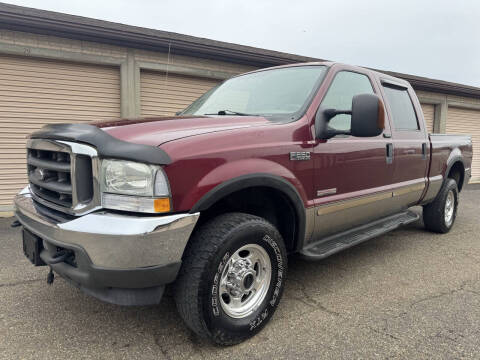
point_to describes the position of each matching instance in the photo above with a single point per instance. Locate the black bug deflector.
(106, 145)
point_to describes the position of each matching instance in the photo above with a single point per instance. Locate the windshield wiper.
(230, 112)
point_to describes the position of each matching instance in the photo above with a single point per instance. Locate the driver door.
(351, 174)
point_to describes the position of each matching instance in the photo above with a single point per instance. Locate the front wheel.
(232, 278)
(439, 215)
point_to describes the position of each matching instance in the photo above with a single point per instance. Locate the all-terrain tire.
(436, 214)
(197, 293)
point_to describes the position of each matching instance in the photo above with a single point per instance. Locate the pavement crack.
(472, 292)
(22, 282)
(439, 295)
(162, 348)
(308, 300)
(431, 297)
(382, 332)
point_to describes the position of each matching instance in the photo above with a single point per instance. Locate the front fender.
(238, 175)
(255, 180)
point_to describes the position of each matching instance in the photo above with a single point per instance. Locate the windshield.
(280, 93)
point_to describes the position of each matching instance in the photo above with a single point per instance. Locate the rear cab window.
(403, 113)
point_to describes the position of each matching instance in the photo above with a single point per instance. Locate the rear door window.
(401, 106)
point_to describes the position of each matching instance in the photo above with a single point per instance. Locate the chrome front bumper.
(111, 249)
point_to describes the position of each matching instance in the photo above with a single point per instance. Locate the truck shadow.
(74, 323)
(120, 330)
(307, 282)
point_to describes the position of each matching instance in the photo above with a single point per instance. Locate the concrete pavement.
(408, 294)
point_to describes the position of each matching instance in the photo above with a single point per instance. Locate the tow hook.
(50, 277)
(15, 224)
(59, 257)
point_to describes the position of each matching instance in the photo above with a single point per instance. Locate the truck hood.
(159, 130)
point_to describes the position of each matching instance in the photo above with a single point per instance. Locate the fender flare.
(255, 180)
(452, 161)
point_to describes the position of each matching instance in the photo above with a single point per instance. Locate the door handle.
(424, 151)
(389, 153)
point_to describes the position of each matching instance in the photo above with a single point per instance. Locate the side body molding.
(254, 180)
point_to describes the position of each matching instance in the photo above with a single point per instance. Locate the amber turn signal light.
(161, 205)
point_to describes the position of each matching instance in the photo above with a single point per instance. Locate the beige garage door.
(428, 114)
(34, 92)
(465, 121)
(165, 95)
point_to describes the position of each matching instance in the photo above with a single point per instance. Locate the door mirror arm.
(323, 117)
(332, 133)
(367, 118)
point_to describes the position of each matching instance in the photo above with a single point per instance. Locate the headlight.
(146, 186)
(127, 177)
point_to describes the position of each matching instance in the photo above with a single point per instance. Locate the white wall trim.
(65, 55)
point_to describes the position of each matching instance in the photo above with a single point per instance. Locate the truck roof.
(377, 74)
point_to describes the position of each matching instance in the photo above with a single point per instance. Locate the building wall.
(130, 61)
(134, 65)
(34, 92)
(457, 115)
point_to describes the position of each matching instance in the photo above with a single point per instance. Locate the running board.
(338, 242)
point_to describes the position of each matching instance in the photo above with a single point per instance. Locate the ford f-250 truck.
(306, 158)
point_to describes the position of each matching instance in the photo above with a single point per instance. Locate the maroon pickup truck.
(307, 158)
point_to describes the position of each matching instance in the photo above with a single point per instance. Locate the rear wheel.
(439, 216)
(232, 278)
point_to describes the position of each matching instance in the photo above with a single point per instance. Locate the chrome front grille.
(49, 174)
(63, 175)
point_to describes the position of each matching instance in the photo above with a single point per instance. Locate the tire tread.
(433, 216)
(203, 246)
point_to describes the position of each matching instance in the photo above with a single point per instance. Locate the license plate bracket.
(32, 246)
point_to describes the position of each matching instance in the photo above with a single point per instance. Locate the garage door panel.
(161, 95)
(51, 63)
(23, 85)
(53, 96)
(40, 76)
(35, 92)
(171, 101)
(57, 81)
(52, 118)
(51, 106)
(172, 93)
(61, 73)
(157, 79)
(178, 87)
(429, 115)
(467, 121)
(8, 176)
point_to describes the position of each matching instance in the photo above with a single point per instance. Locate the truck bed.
(447, 149)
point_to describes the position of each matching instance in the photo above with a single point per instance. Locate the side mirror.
(367, 118)
(368, 115)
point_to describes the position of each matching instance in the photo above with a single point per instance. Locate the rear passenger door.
(410, 144)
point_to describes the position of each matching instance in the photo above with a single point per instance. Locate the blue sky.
(438, 39)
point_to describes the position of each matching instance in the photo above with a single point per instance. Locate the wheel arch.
(275, 183)
(456, 170)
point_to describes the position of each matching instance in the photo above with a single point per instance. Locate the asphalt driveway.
(408, 294)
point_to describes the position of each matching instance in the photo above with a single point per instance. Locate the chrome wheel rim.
(449, 207)
(245, 281)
